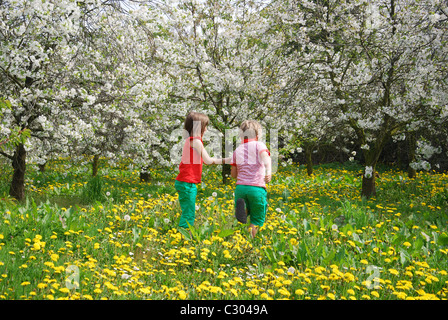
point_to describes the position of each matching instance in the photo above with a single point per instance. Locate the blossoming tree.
(37, 46)
(220, 57)
(377, 64)
(70, 82)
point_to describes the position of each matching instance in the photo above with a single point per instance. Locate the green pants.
(187, 200)
(256, 202)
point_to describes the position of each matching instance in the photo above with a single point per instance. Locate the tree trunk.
(368, 186)
(145, 175)
(411, 145)
(371, 156)
(95, 165)
(42, 167)
(17, 189)
(309, 160)
(225, 172)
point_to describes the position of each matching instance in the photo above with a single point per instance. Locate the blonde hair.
(191, 123)
(250, 129)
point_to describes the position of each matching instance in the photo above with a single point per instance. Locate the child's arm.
(233, 172)
(266, 159)
(199, 147)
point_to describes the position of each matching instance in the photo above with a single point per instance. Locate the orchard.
(353, 100)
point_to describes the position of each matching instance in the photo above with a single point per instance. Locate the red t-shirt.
(190, 167)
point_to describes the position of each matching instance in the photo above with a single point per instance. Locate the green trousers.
(256, 202)
(187, 200)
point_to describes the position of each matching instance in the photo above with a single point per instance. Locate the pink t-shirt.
(251, 170)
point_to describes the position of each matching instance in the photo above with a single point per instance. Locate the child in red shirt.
(190, 168)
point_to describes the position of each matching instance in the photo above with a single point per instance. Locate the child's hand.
(267, 178)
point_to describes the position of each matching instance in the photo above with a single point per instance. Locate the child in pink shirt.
(251, 166)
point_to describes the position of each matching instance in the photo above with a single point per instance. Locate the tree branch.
(6, 155)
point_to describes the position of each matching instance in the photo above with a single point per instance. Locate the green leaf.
(442, 239)
(397, 239)
(404, 257)
(226, 233)
(194, 232)
(136, 232)
(270, 255)
(329, 257)
(340, 255)
(185, 233)
(347, 227)
(306, 225)
(418, 243)
(5, 104)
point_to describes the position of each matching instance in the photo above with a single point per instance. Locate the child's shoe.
(240, 211)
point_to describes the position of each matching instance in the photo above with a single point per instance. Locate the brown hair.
(250, 129)
(192, 121)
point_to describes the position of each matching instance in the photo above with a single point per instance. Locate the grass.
(114, 237)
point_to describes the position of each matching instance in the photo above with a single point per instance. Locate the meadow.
(116, 237)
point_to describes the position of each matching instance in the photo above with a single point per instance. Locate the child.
(190, 168)
(251, 166)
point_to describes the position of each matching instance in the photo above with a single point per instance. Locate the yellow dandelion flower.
(284, 292)
(393, 272)
(255, 292)
(300, 292)
(351, 292)
(234, 292)
(264, 296)
(400, 295)
(182, 294)
(42, 285)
